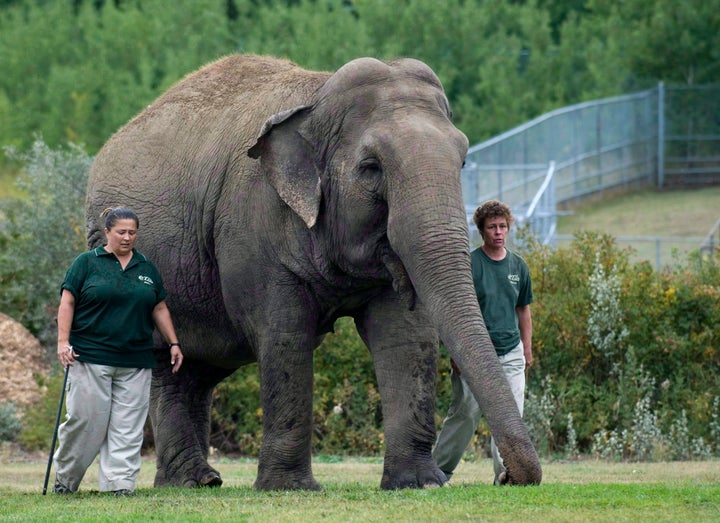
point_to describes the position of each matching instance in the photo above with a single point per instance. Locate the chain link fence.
(662, 137)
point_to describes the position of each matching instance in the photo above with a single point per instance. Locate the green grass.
(682, 218)
(573, 492)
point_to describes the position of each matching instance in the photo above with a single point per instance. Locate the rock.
(22, 361)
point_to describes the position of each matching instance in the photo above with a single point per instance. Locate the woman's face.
(121, 236)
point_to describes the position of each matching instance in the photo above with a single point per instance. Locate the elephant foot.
(211, 479)
(425, 475)
(286, 482)
(208, 478)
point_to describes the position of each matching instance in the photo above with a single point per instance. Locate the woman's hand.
(66, 355)
(176, 358)
(163, 321)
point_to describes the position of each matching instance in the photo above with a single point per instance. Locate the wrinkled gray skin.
(275, 200)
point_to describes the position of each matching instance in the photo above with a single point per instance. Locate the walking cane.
(55, 432)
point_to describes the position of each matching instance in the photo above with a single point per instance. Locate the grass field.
(681, 218)
(571, 492)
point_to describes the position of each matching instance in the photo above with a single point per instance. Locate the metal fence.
(661, 137)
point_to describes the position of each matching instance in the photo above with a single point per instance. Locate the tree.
(42, 233)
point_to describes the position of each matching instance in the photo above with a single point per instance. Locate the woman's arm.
(66, 312)
(163, 322)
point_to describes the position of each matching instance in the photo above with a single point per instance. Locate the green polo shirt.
(501, 286)
(112, 323)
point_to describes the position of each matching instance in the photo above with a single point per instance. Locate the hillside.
(656, 222)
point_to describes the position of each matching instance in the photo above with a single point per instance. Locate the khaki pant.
(464, 415)
(106, 412)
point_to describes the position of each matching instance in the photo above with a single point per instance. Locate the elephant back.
(182, 146)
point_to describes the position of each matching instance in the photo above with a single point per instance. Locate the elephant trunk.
(432, 242)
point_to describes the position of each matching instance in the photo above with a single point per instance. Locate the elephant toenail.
(211, 479)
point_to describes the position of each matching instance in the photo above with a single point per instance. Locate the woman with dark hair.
(111, 301)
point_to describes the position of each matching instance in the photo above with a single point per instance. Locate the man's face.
(494, 232)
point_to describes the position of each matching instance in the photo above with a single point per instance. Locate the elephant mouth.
(400, 279)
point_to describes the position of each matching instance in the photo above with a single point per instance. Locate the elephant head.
(372, 164)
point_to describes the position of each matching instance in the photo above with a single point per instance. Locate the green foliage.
(41, 233)
(634, 351)
(661, 39)
(9, 422)
(236, 424)
(347, 412)
(38, 422)
(76, 71)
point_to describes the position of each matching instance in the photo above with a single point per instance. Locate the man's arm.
(525, 324)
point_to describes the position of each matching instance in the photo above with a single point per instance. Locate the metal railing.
(711, 242)
(541, 213)
(660, 251)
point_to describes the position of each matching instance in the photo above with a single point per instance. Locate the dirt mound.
(22, 361)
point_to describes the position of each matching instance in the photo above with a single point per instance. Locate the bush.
(236, 424)
(39, 421)
(347, 412)
(41, 233)
(635, 352)
(9, 422)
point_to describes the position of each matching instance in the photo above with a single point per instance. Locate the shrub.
(631, 349)
(9, 422)
(347, 413)
(38, 421)
(41, 233)
(236, 424)
(346, 409)
(539, 412)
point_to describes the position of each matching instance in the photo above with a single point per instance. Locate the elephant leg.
(180, 416)
(286, 380)
(404, 347)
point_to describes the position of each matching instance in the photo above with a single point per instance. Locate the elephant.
(275, 200)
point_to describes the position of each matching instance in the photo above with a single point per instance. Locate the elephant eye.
(371, 167)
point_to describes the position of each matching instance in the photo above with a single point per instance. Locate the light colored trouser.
(464, 415)
(106, 412)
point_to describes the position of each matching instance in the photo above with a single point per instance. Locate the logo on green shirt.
(147, 280)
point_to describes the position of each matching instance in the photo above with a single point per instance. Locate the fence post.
(661, 135)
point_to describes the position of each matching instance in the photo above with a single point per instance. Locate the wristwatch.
(175, 344)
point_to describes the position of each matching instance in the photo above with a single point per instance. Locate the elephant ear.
(289, 160)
